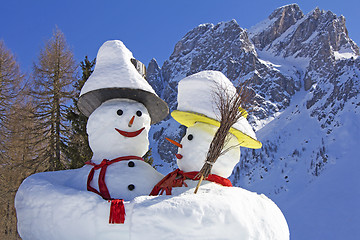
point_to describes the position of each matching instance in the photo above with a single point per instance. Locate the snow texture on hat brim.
(188, 119)
(156, 107)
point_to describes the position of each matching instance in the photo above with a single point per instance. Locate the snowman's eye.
(190, 137)
(139, 113)
(119, 112)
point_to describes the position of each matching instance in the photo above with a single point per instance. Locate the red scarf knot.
(103, 190)
(117, 208)
(177, 179)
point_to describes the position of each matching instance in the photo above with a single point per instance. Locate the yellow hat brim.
(188, 119)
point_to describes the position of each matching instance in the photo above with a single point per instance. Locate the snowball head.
(111, 117)
(196, 144)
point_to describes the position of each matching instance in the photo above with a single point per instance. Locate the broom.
(231, 108)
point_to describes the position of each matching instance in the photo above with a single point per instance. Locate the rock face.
(278, 22)
(297, 65)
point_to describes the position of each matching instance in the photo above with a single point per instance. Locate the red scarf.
(117, 208)
(177, 178)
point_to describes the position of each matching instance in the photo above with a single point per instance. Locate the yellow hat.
(190, 118)
(196, 104)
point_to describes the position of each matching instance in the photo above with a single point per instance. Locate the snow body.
(215, 212)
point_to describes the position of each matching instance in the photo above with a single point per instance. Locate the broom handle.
(198, 185)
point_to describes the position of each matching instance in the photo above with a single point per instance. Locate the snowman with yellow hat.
(218, 210)
(198, 109)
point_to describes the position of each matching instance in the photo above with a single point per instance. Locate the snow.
(327, 206)
(260, 27)
(114, 69)
(215, 212)
(51, 206)
(288, 66)
(196, 93)
(345, 53)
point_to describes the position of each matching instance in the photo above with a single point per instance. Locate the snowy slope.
(315, 182)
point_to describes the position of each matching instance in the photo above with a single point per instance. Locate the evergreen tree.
(148, 158)
(78, 150)
(54, 75)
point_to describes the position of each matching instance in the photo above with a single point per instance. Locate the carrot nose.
(131, 121)
(173, 142)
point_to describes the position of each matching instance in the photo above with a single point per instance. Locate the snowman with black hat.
(121, 106)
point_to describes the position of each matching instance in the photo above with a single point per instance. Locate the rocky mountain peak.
(287, 12)
(207, 47)
(277, 23)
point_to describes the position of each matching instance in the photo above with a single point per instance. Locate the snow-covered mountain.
(305, 71)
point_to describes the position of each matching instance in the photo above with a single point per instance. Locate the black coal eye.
(139, 113)
(119, 112)
(190, 137)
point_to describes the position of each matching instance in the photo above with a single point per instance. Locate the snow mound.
(216, 212)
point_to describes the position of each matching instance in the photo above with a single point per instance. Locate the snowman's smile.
(130, 134)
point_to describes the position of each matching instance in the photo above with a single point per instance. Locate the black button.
(131, 164)
(190, 137)
(131, 187)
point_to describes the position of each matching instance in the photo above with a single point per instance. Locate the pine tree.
(78, 150)
(148, 158)
(54, 76)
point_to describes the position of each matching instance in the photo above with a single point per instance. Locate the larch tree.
(14, 139)
(10, 84)
(53, 78)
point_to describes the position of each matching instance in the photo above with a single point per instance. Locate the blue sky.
(150, 29)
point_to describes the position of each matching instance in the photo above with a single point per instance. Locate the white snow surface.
(55, 205)
(114, 69)
(345, 53)
(196, 93)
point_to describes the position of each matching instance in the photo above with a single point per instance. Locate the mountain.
(305, 72)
